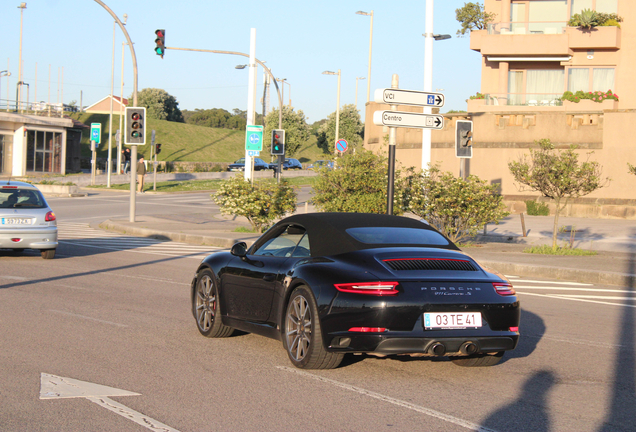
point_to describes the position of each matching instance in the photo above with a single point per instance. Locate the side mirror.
(239, 250)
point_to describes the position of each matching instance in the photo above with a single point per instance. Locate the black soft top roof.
(327, 231)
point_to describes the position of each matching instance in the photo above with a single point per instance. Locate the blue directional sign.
(253, 153)
(96, 132)
(254, 137)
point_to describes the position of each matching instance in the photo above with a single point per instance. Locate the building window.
(590, 79)
(535, 86)
(44, 151)
(605, 6)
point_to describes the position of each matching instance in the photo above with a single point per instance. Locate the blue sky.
(297, 39)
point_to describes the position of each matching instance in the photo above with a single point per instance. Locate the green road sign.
(254, 137)
(96, 132)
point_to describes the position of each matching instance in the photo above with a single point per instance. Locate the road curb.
(561, 273)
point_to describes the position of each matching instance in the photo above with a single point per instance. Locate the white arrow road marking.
(418, 408)
(55, 387)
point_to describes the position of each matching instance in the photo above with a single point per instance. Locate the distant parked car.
(288, 164)
(26, 220)
(239, 165)
(321, 164)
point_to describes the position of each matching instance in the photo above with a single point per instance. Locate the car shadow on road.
(621, 412)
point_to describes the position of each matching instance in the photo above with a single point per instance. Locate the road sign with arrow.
(408, 97)
(408, 119)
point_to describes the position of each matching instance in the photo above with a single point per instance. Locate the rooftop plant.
(597, 96)
(588, 18)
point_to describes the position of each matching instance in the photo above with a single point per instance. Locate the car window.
(21, 198)
(302, 249)
(241, 160)
(284, 244)
(397, 235)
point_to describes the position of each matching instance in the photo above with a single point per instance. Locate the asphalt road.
(115, 311)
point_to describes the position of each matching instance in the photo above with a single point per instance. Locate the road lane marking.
(570, 289)
(574, 299)
(439, 415)
(55, 387)
(88, 318)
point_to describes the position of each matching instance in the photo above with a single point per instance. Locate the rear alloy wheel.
(205, 306)
(48, 253)
(303, 336)
(478, 360)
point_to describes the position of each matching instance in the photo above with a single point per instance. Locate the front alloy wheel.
(205, 304)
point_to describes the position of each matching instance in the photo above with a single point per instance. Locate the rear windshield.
(21, 198)
(397, 236)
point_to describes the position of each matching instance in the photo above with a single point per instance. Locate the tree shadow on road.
(621, 415)
(529, 411)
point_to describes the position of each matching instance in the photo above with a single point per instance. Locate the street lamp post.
(357, 78)
(284, 81)
(428, 77)
(370, 45)
(337, 108)
(22, 7)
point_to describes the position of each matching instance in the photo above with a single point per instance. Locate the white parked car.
(26, 220)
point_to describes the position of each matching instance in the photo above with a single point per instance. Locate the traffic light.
(464, 139)
(158, 149)
(160, 49)
(278, 142)
(135, 126)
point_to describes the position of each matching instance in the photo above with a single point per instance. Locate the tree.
(557, 175)
(295, 125)
(349, 128)
(159, 104)
(456, 207)
(260, 204)
(358, 184)
(473, 17)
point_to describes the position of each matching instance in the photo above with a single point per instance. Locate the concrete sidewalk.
(501, 248)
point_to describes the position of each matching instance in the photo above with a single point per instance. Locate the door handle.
(270, 277)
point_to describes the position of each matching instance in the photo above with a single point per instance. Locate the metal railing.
(36, 108)
(548, 27)
(524, 99)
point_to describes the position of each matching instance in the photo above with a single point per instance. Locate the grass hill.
(188, 143)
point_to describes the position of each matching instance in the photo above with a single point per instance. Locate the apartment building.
(530, 57)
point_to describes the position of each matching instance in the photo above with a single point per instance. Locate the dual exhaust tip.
(439, 349)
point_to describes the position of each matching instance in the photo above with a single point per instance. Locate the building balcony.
(541, 39)
(535, 102)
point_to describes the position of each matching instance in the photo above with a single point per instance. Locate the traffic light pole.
(133, 155)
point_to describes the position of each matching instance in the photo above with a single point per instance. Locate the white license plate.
(456, 320)
(17, 221)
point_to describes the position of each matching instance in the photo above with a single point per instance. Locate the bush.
(358, 184)
(261, 204)
(478, 96)
(537, 209)
(456, 207)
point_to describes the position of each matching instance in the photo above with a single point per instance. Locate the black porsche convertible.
(328, 284)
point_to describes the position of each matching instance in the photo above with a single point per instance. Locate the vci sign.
(408, 97)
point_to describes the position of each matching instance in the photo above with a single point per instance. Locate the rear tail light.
(514, 329)
(503, 288)
(9, 187)
(50, 217)
(367, 329)
(371, 288)
(16, 240)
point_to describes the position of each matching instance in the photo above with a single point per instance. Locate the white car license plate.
(17, 221)
(455, 320)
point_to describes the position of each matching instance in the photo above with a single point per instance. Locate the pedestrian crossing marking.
(83, 234)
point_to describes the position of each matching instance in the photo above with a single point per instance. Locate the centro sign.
(408, 119)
